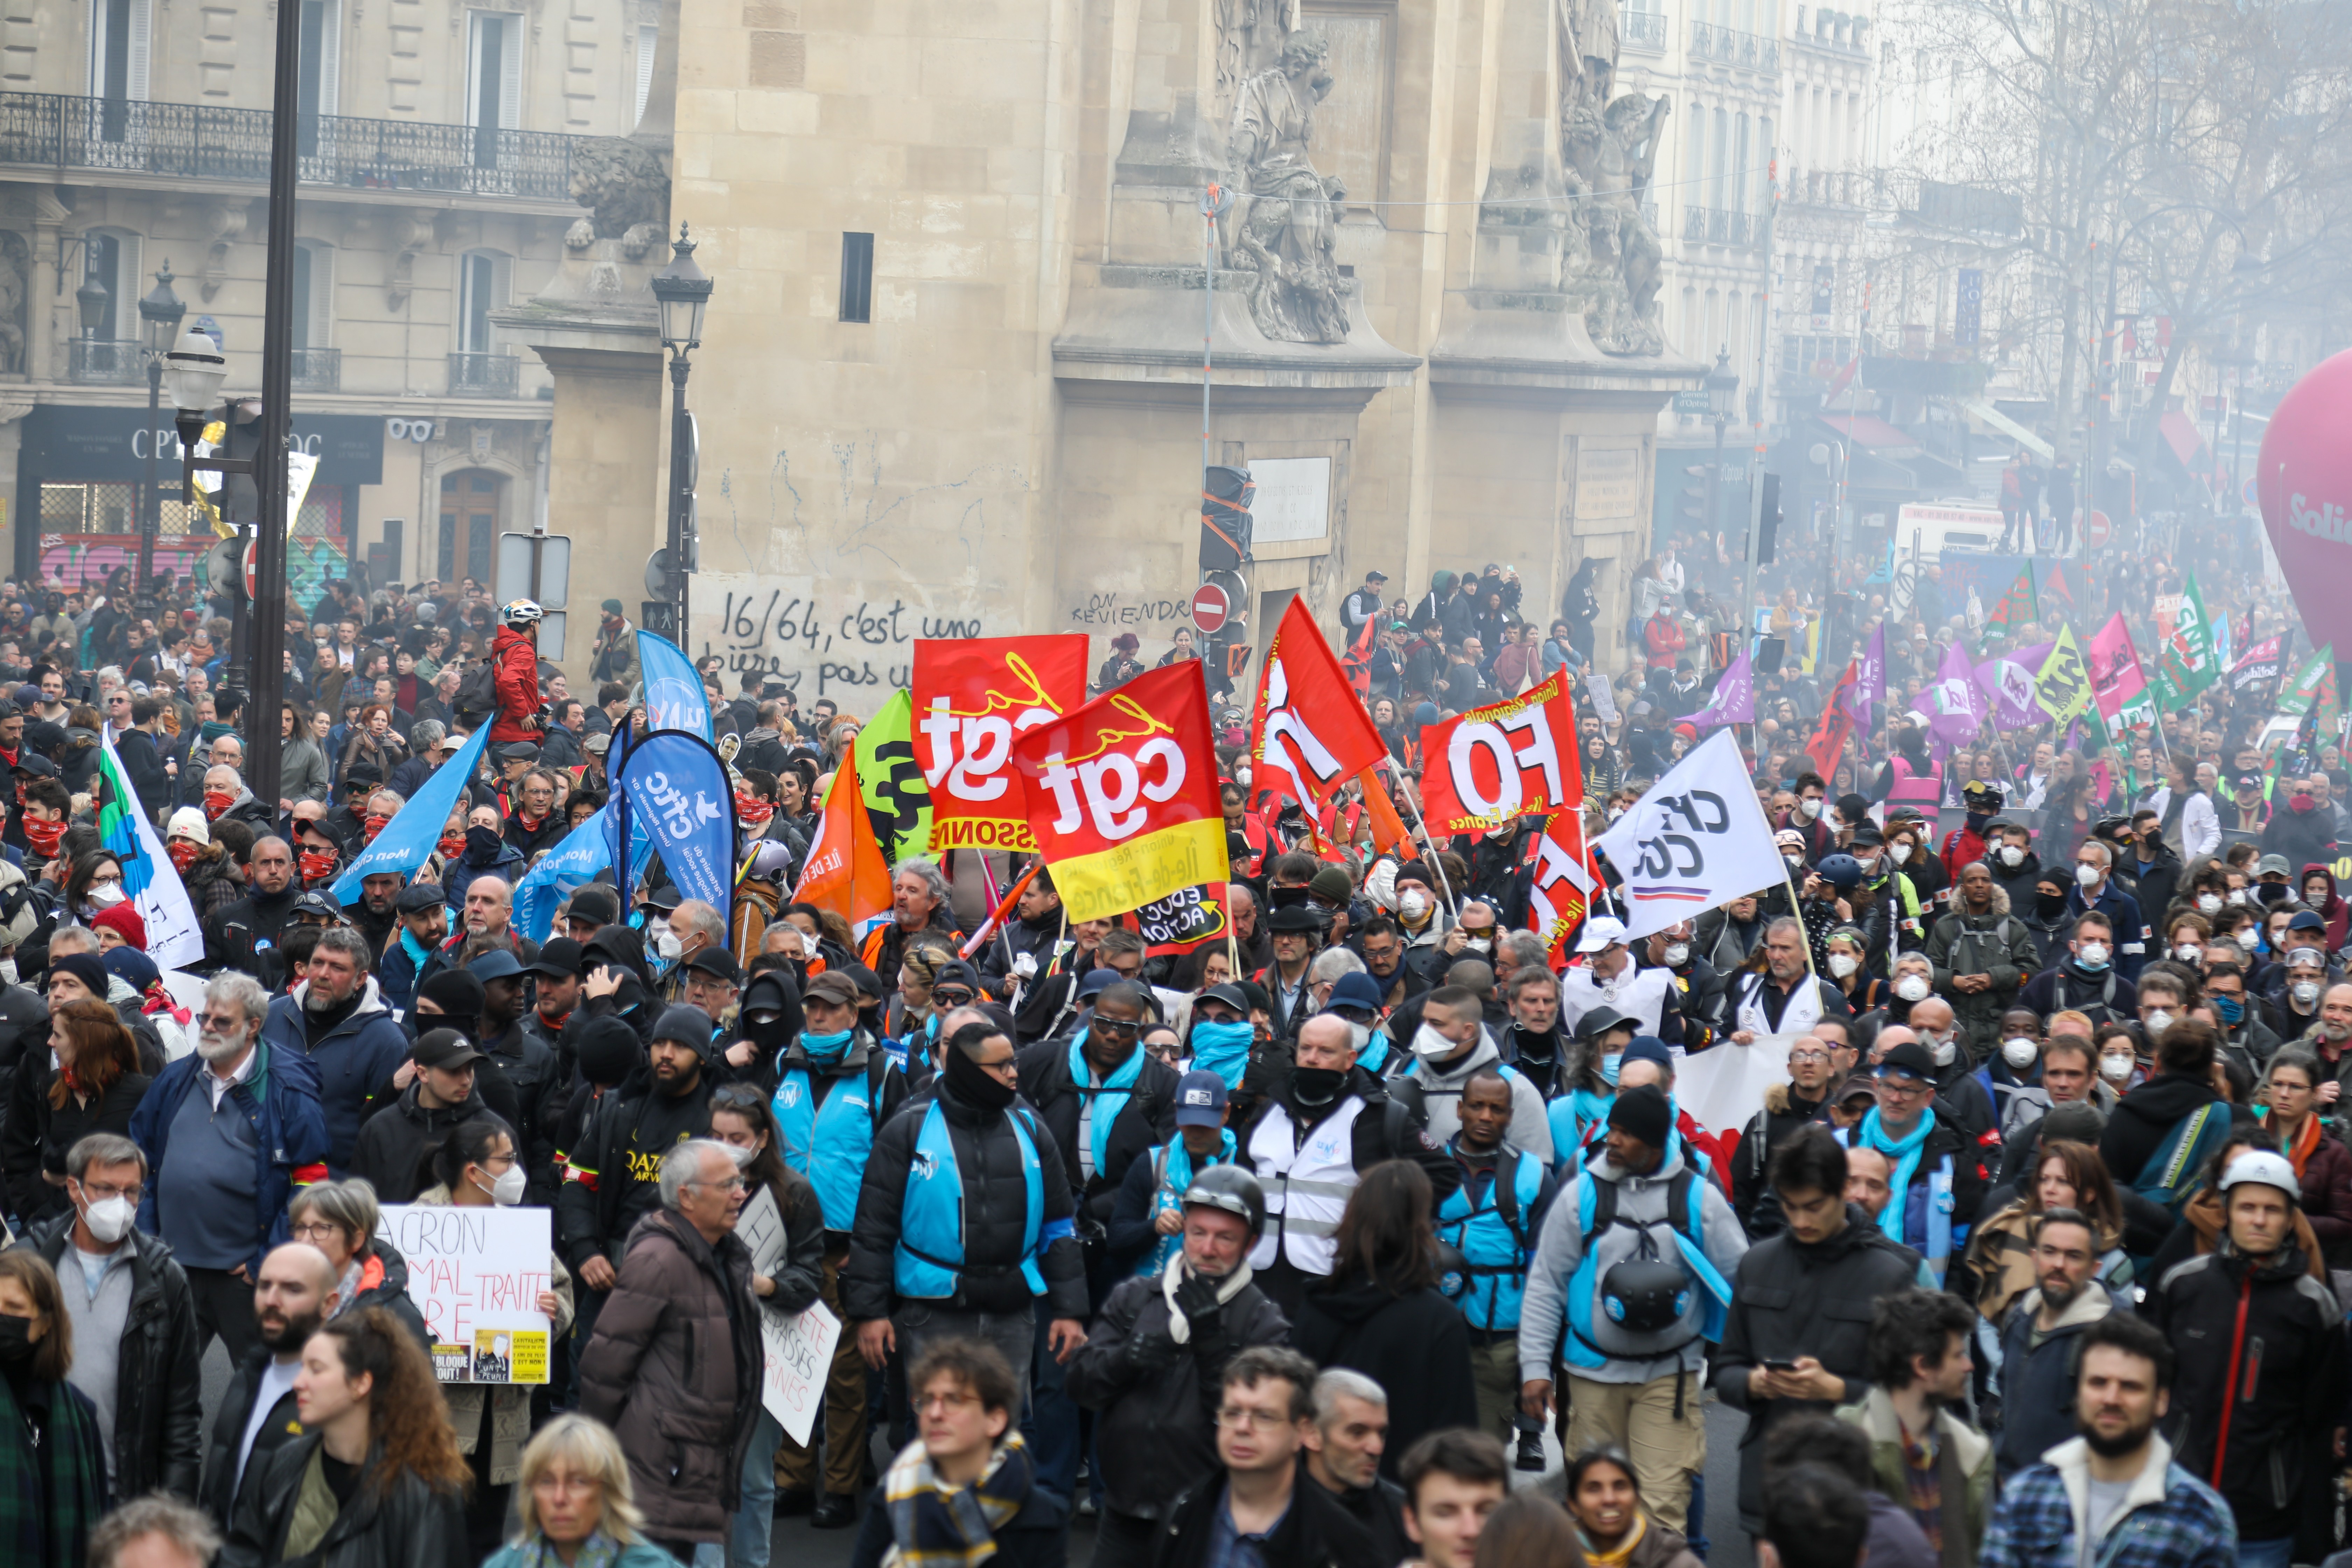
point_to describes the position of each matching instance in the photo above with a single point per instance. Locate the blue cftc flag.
(574, 862)
(416, 828)
(679, 798)
(675, 698)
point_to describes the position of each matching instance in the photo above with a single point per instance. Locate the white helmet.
(2270, 1169)
(520, 613)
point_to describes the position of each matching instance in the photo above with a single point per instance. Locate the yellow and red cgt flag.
(971, 696)
(1563, 884)
(845, 871)
(1308, 731)
(1509, 759)
(1123, 794)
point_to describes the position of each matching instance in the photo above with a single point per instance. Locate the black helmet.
(1232, 1189)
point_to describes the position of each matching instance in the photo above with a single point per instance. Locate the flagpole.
(1436, 862)
(1797, 910)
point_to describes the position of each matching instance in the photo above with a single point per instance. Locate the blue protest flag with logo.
(415, 830)
(574, 862)
(680, 800)
(675, 698)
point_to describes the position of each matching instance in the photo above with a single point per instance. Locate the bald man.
(292, 1299)
(247, 935)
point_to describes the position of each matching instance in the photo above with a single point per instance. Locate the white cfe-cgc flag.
(1696, 842)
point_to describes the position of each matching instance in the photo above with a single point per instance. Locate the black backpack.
(477, 701)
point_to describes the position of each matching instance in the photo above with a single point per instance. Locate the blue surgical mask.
(2231, 1008)
(824, 1047)
(1610, 1062)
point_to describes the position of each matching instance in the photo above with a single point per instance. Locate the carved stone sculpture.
(1285, 226)
(15, 274)
(622, 183)
(1610, 152)
(1250, 36)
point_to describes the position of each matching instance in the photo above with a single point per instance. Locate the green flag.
(897, 801)
(2016, 608)
(2185, 665)
(2302, 689)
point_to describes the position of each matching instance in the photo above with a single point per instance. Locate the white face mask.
(2088, 875)
(2011, 856)
(2116, 1069)
(2307, 991)
(2158, 1021)
(507, 1191)
(2237, 895)
(1475, 943)
(1677, 954)
(109, 1219)
(1911, 988)
(1843, 965)
(1427, 1042)
(2094, 954)
(1902, 853)
(1794, 860)
(1413, 904)
(2019, 1052)
(1943, 1047)
(105, 895)
(1362, 1034)
(2189, 953)
(1808, 808)
(2209, 903)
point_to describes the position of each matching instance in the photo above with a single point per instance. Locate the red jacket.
(518, 681)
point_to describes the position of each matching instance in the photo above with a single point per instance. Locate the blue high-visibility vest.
(1494, 1240)
(930, 1259)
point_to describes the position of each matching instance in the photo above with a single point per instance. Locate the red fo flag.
(1511, 759)
(1308, 733)
(1564, 883)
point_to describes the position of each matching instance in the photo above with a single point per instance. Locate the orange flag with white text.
(844, 872)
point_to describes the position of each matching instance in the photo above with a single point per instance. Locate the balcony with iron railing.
(106, 360)
(318, 370)
(184, 142)
(1714, 226)
(1825, 188)
(1730, 47)
(1643, 30)
(484, 375)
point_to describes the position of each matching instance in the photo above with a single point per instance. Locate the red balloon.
(2304, 481)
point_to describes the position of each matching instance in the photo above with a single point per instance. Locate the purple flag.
(1958, 706)
(1735, 697)
(1869, 680)
(2008, 682)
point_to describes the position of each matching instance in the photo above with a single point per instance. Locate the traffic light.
(1691, 503)
(1768, 521)
(239, 498)
(1225, 520)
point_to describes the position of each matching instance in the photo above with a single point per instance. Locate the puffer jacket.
(995, 1208)
(159, 1391)
(659, 1372)
(1793, 1298)
(356, 1060)
(2262, 1348)
(1157, 1427)
(416, 1526)
(1146, 1120)
(1996, 944)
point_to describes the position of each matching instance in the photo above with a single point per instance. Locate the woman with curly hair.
(371, 740)
(375, 1480)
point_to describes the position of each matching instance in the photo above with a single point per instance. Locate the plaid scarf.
(53, 1491)
(937, 1526)
(1921, 1470)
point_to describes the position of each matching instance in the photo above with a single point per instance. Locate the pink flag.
(2116, 676)
(1956, 704)
(1869, 686)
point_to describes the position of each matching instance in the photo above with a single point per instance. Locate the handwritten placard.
(476, 1274)
(799, 1345)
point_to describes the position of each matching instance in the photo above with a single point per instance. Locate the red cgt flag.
(1309, 733)
(1123, 794)
(971, 696)
(1518, 758)
(1563, 885)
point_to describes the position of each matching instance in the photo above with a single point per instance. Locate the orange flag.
(1388, 828)
(845, 872)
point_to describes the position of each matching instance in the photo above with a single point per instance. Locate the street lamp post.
(682, 292)
(1722, 396)
(161, 311)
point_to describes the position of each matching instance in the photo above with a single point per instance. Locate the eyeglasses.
(1116, 1028)
(950, 996)
(222, 1020)
(732, 1185)
(317, 1231)
(1796, 1057)
(1904, 1086)
(1248, 1420)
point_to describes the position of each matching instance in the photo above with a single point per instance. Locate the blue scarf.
(1904, 1153)
(417, 952)
(1223, 1049)
(1111, 1098)
(826, 1048)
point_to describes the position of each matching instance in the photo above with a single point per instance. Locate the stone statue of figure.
(1250, 34)
(1614, 152)
(12, 258)
(1286, 226)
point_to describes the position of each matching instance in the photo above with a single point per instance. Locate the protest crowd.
(1355, 1110)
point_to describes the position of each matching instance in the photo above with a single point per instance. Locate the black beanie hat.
(1643, 1112)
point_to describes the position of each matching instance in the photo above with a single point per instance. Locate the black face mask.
(16, 1338)
(1316, 1086)
(482, 843)
(2049, 905)
(975, 1085)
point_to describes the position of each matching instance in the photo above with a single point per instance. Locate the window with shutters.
(494, 84)
(484, 280)
(319, 83)
(646, 39)
(119, 44)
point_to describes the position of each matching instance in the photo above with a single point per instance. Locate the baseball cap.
(498, 964)
(1354, 990)
(832, 989)
(1200, 1101)
(1092, 982)
(718, 960)
(419, 897)
(1599, 932)
(1910, 1059)
(444, 1048)
(559, 958)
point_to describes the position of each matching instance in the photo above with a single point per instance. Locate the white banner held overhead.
(1696, 842)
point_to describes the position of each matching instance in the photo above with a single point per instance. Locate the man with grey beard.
(229, 1132)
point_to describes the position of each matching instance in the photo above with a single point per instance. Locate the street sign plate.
(1210, 607)
(2098, 531)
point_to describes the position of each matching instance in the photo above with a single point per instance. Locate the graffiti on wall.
(842, 640)
(85, 560)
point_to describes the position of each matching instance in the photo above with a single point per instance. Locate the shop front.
(80, 473)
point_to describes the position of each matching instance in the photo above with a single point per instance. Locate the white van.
(1928, 529)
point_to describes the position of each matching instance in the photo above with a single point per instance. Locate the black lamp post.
(1722, 393)
(161, 311)
(682, 291)
(90, 304)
